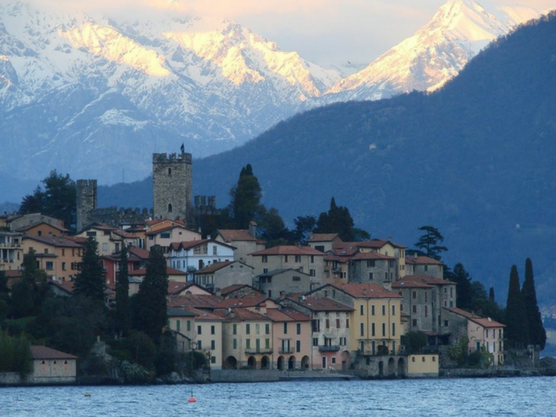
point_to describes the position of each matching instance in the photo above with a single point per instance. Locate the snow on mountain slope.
(212, 88)
(436, 53)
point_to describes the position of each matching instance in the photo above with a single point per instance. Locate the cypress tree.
(465, 293)
(517, 329)
(245, 198)
(151, 316)
(89, 282)
(537, 334)
(123, 308)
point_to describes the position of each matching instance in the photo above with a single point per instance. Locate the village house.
(372, 267)
(483, 333)
(244, 241)
(278, 282)
(182, 323)
(195, 255)
(11, 251)
(376, 320)
(51, 366)
(424, 265)
(324, 242)
(291, 339)
(208, 336)
(303, 258)
(43, 228)
(110, 240)
(15, 223)
(223, 274)
(164, 232)
(58, 256)
(417, 303)
(136, 260)
(330, 329)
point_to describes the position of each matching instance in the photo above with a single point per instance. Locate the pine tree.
(151, 316)
(89, 282)
(465, 293)
(123, 308)
(245, 198)
(537, 334)
(429, 243)
(336, 220)
(517, 329)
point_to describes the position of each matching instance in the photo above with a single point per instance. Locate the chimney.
(253, 229)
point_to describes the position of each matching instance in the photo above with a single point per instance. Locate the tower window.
(169, 208)
(169, 172)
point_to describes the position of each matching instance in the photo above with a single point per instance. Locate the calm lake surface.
(443, 397)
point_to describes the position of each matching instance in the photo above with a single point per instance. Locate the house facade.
(51, 366)
(279, 282)
(11, 251)
(220, 275)
(195, 255)
(244, 241)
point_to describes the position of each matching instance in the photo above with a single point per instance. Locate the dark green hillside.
(475, 159)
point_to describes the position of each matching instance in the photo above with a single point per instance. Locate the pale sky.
(323, 31)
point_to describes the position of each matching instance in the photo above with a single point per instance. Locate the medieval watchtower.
(172, 185)
(86, 192)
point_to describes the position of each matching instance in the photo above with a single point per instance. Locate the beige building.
(166, 232)
(279, 282)
(244, 241)
(11, 251)
(220, 275)
(302, 258)
(51, 366)
(422, 366)
(58, 256)
(483, 332)
(417, 303)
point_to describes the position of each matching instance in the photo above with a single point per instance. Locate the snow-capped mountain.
(82, 93)
(434, 54)
(94, 96)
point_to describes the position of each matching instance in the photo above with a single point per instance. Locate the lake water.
(441, 397)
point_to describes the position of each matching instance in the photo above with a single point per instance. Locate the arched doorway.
(291, 362)
(265, 362)
(280, 363)
(230, 363)
(391, 367)
(345, 360)
(252, 362)
(305, 362)
(381, 368)
(401, 367)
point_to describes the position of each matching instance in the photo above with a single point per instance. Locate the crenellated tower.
(86, 193)
(172, 186)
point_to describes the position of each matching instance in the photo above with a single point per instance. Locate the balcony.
(259, 350)
(285, 350)
(330, 348)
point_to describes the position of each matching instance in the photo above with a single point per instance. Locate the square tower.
(172, 186)
(86, 193)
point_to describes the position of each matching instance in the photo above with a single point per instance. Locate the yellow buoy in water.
(87, 394)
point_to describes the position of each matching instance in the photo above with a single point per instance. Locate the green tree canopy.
(123, 306)
(150, 303)
(89, 282)
(58, 199)
(245, 198)
(429, 243)
(537, 333)
(336, 220)
(517, 328)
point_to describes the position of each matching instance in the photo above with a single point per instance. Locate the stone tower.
(86, 192)
(172, 186)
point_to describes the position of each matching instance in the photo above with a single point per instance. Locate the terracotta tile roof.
(66, 286)
(322, 237)
(230, 235)
(201, 301)
(370, 244)
(193, 243)
(100, 226)
(124, 234)
(43, 352)
(179, 312)
(216, 266)
(59, 241)
(169, 271)
(428, 280)
(289, 250)
(402, 283)
(335, 258)
(242, 314)
(372, 256)
(227, 290)
(165, 229)
(33, 225)
(368, 290)
(281, 271)
(422, 260)
(244, 302)
(323, 304)
(139, 252)
(482, 321)
(175, 288)
(203, 315)
(286, 314)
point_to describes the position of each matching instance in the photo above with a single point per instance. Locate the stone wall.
(172, 185)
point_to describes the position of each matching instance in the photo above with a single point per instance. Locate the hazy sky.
(323, 31)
